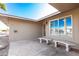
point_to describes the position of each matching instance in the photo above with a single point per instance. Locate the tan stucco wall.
(25, 29)
(75, 17)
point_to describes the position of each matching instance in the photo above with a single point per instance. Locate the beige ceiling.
(64, 6)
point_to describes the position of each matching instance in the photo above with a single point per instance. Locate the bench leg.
(67, 48)
(40, 40)
(55, 44)
(47, 41)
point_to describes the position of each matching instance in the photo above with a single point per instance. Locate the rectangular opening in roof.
(33, 11)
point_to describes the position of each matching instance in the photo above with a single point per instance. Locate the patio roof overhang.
(62, 7)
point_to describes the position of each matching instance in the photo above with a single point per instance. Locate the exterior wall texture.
(25, 29)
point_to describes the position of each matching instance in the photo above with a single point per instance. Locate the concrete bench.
(67, 44)
(46, 38)
(64, 40)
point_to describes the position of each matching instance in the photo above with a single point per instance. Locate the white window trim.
(71, 23)
(64, 23)
(49, 25)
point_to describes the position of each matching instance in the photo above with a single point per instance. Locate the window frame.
(65, 27)
(71, 24)
(53, 28)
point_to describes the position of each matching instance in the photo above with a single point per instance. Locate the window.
(54, 27)
(68, 25)
(52, 24)
(61, 26)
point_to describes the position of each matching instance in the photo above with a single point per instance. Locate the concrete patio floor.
(34, 48)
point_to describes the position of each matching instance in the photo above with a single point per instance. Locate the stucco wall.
(25, 29)
(75, 17)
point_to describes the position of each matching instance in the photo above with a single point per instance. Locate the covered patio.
(58, 20)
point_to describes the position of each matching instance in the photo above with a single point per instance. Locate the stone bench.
(46, 38)
(64, 39)
(66, 43)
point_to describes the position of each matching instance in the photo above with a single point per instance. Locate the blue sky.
(68, 21)
(29, 10)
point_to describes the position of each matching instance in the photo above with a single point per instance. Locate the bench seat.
(46, 38)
